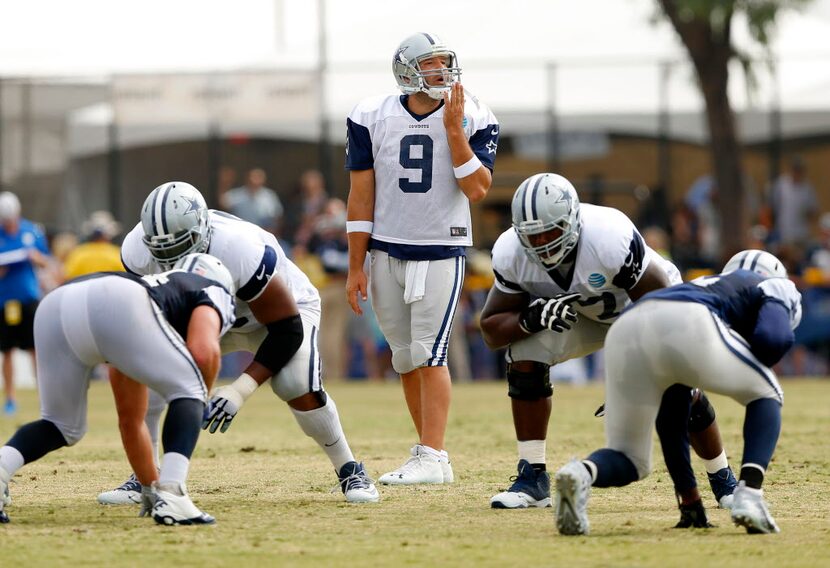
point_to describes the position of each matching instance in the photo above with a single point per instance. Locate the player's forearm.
(360, 214)
(358, 247)
(476, 185)
(473, 181)
(501, 329)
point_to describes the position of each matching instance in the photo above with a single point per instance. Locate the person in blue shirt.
(23, 247)
(719, 333)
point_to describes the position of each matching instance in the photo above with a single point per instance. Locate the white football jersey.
(252, 256)
(417, 198)
(611, 257)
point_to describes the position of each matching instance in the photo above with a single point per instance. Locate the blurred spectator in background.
(685, 251)
(313, 201)
(254, 202)
(331, 246)
(97, 253)
(658, 240)
(793, 207)
(818, 254)
(52, 276)
(22, 249)
(478, 279)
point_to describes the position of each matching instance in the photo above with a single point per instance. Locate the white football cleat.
(356, 485)
(749, 510)
(128, 493)
(573, 489)
(174, 507)
(446, 467)
(5, 498)
(420, 468)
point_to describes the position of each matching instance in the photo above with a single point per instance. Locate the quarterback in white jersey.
(564, 272)
(277, 319)
(416, 161)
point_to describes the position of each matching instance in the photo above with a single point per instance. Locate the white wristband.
(468, 168)
(245, 385)
(359, 226)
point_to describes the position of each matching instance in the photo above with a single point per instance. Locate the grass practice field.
(269, 488)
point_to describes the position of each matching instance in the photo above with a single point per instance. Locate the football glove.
(555, 314)
(226, 402)
(148, 500)
(693, 516)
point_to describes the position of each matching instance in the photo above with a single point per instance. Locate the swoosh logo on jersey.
(596, 280)
(261, 273)
(494, 132)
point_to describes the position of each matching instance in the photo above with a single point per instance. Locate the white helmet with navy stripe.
(758, 261)
(176, 222)
(546, 218)
(407, 70)
(208, 266)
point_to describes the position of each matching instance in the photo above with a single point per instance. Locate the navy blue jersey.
(178, 293)
(764, 311)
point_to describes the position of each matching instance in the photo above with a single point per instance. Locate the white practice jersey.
(611, 257)
(252, 256)
(417, 198)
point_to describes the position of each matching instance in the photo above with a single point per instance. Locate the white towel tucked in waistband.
(416, 280)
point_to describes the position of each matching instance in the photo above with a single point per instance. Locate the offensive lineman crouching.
(93, 319)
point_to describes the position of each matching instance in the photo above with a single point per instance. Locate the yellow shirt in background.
(92, 257)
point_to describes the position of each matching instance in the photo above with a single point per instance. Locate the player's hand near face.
(454, 108)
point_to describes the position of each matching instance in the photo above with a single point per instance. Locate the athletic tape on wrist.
(470, 167)
(359, 226)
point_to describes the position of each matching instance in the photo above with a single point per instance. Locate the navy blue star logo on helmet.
(192, 205)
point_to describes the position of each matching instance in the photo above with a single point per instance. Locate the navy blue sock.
(36, 439)
(762, 425)
(614, 469)
(182, 426)
(673, 429)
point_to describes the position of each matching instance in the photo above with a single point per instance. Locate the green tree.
(705, 28)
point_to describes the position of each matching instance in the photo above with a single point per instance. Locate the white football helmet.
(542, 203)
(208, 266)
(406, 65)
(758, 261)
(176, 222)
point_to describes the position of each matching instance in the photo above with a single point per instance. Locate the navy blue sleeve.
(630, 272)
(772, 336)
(358, 147)
(484, 143)
(261, 277)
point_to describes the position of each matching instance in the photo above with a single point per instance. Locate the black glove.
(694, 516)
(549, 313)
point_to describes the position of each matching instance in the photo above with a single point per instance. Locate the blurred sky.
(83, 37)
